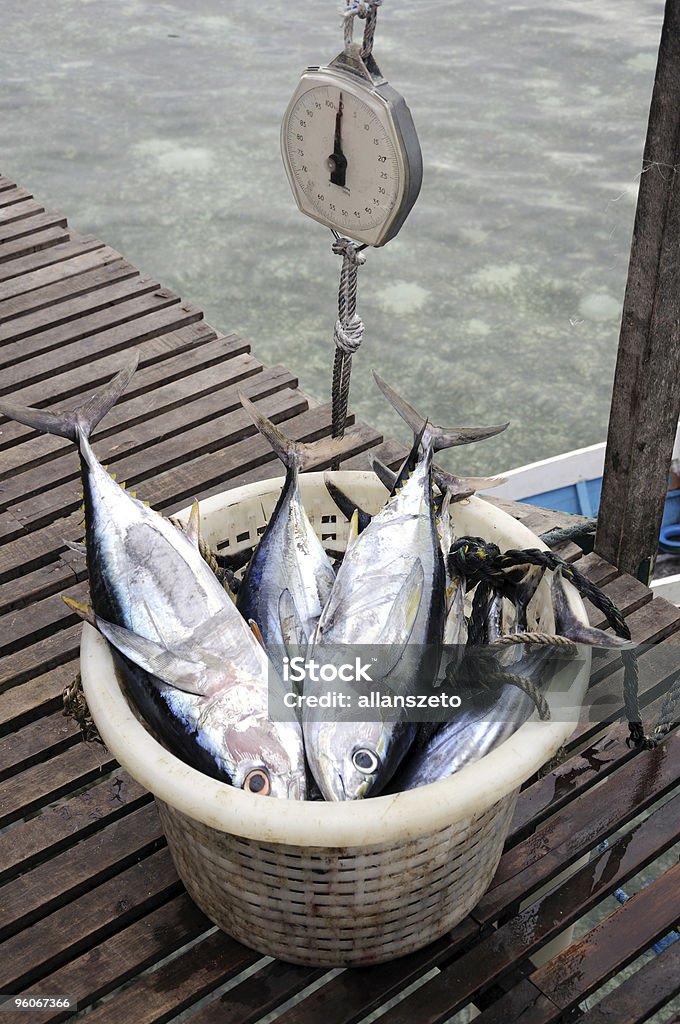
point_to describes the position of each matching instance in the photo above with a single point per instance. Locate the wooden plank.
(36, 742)
(6, 183)
(525, 933)
(79, 869)
(28, 226)
(349, 996)
(114, 344)
(157, 997)
(646, 394)
(19, 630)
(39, 584)
(40, 695)
(168, 455)
(522, 1003)
(626, 593)
(24, 552)
(592, 816)
(59, 828)
(19, 211)
(12, 253)
(611, 945)
(155, 390)
(44, 946)
(206, 475)
(75, 258)
(642, 994)
(9, 196)
(29, 327)
(50, 653)
(66, 289)
(258, 995)
(606, 753)
(245, 375)
(190, 347)
(50, 780)
(24, 267)
(114, 329)
(126, 953)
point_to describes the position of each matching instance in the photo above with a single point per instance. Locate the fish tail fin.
(435, 437)
(462, 487)
(294, 453)
(347, 505)
(567, 624)
(78, 422)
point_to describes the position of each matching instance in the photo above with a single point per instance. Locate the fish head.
(351, 760)
(266, 759)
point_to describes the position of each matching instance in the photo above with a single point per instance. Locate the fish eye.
(257, 782)
(365, 761)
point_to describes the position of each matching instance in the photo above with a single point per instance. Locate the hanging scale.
(353, 161)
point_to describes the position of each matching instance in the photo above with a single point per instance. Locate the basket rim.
(352, 824)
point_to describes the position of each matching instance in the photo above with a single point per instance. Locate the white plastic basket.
(334, 883)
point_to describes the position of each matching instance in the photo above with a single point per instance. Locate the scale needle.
(337, 161)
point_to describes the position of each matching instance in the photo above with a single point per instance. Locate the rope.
(349, 329)
(75, 707)
(368, 10)
(563, 533)
(484, 562)
(542, 639)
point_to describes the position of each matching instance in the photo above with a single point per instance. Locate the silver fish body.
(149, 582)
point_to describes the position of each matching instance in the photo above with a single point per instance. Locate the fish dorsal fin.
(433, 436)
(193, 528)
(385, 475)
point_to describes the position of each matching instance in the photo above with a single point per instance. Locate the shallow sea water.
(155, 126)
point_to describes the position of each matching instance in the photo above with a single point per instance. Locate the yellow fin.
(83, 610)
(353, 529)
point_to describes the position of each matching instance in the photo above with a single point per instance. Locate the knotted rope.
(349, 328)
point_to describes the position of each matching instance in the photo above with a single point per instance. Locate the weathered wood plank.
(646, 394)
(612, 944)
(139, 467)
(353, 994)
(11, 253)
(216, 475)
(68, 875)
(112, 329)
(6, 183)
(21, 228)
(50, 653)
(258, 995)
(592, 816)
(522, 1003)
(525, 933)
(164, 360)
(36, 742)
(67, 289)
(14, 194)
(19, 630)
(40, 695)
(18, 211)
(59, 828)
(52, 779)
(75, 258)
(245, 375)
(66, 932)
(39, 583)
(126, 953)
(54, 254)
(27, 334)
(642, 994)
(154, 998)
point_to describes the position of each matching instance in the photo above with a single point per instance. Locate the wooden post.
(646, 397)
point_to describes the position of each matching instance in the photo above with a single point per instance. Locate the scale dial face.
(345, 157)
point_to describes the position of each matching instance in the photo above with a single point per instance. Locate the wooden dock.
(90, 904)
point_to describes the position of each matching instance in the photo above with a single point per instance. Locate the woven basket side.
(340, 906)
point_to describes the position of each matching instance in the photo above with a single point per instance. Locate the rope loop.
(366, 10)
(349, 250)
(349, 336)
